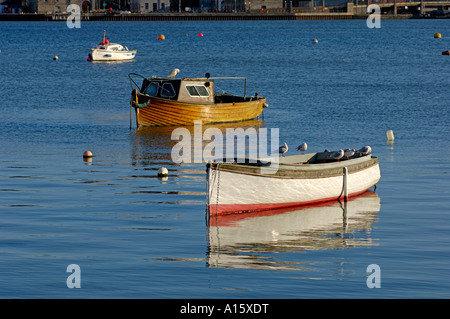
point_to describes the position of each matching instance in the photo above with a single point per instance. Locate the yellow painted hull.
(159, 112)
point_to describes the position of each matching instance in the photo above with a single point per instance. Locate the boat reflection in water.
(153, 144)
(247, 240)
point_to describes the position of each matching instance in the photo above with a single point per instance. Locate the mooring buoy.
(390, 135)
(87, 154)
(163, 172)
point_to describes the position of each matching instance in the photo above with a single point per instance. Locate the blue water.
(136, 236)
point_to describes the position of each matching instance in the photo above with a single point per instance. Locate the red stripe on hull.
(244, 208)
(231, 219)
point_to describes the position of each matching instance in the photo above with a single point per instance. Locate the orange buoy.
(161, 37)
(437, 35)
(200, 34)
(87, 154)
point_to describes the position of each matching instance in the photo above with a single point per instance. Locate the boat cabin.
(112, 47)
(191, 90)
(182, 90)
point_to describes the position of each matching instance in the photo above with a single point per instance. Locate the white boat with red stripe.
(258, 185)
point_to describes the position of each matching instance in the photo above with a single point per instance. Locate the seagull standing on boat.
(364, 150)
(349, 152)
(337, 155)
(173, 73)
(302, 147)
(283, 149)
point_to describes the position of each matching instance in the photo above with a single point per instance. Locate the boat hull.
(106, 55)
(231, 190)
(161, 112)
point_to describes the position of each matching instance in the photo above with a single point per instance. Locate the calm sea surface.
(136, 236)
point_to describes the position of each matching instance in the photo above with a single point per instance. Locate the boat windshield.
(167, 90)
(152, 89)
(197, 90)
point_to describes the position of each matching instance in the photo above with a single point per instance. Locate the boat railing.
(161, 89)
(132, 81)
(229, 78)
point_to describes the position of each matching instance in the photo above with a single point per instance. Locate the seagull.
(349, 152)
(173, 73)
(364, 150)
(283, 149)
(302, 147)
(337, 155)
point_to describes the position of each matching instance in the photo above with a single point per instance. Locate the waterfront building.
(252, 5)
(149, 5)
(13, 6)
(60, 6)
(51, 6)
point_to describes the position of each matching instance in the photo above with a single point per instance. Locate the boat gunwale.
(200, 104)
(306, 171)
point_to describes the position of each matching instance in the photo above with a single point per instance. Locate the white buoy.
(390, 136)
(163, 172)
(55, 58)
(315, 41)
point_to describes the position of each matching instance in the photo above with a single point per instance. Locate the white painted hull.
(106, 55)
(234, 191)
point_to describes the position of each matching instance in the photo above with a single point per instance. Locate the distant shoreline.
(196, 16)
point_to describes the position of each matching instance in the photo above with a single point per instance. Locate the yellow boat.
(170, 101)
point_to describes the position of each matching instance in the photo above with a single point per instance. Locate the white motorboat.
(107, 51)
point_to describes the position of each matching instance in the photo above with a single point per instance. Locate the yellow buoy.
(161, 37)
(437, 35)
